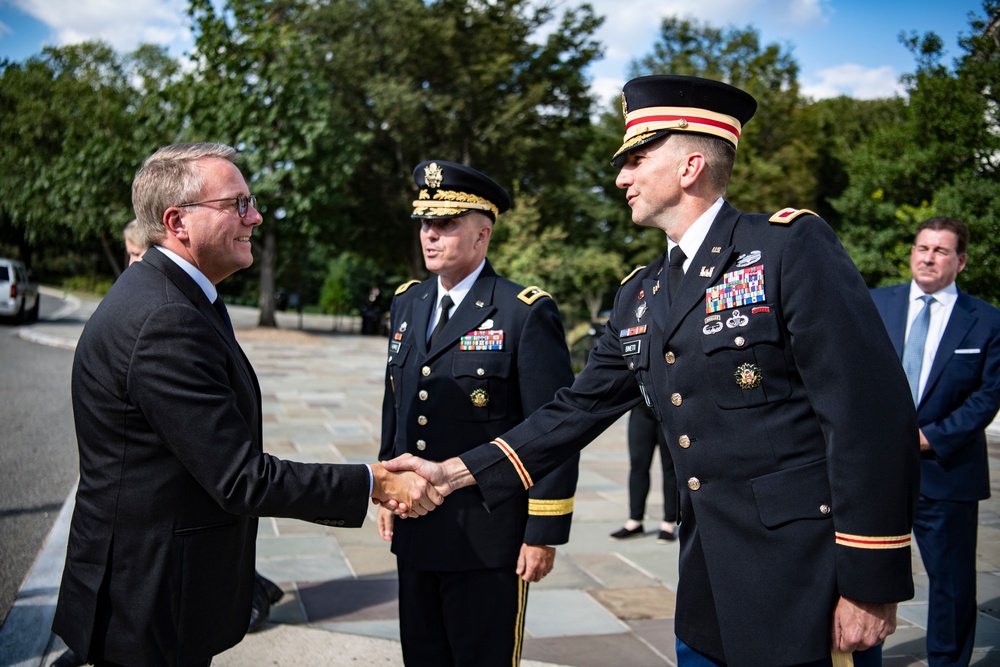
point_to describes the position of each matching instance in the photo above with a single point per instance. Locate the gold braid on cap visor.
(641, 123)
(451, 202)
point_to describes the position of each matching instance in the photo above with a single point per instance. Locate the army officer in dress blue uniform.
(471, 354)
(758, 347)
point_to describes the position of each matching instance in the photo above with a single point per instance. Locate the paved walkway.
(605, 603)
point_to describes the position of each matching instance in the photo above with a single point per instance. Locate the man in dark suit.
(758, 348)
(160, 564)
(951, 356)
(470, 354)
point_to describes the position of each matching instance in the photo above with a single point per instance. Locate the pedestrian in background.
(470, 354)
(951, 357)
(644, 436)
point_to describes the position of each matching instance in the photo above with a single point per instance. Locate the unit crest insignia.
(748, 376)
(479, 398)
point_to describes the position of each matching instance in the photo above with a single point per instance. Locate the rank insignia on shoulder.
(532, 294)
(405, 286)
(629, 276)
(787, 215)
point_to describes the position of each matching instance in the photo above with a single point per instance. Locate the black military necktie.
(220, 307)
(446, 304)
(675, 271)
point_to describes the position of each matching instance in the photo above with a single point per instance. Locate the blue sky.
(842, 46)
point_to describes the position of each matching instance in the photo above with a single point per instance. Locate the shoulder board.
(629, 276)
(532, 294)
(405, 286)
(786, 215)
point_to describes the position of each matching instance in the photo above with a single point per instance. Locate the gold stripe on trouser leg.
(842, 659)
(522, 607)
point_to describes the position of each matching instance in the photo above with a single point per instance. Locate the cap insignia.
(624, 106)
(433, 175)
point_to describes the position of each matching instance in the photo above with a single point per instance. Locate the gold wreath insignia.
(748, 376)
(624, 106)
(479, 398)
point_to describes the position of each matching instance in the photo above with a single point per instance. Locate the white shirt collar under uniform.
(457, 294)
(696, 233)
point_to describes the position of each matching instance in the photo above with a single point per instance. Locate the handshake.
(410, 486)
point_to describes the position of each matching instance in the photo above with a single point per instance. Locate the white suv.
(18, 293)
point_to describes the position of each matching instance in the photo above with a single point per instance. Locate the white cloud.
(856, 81)
(5, 29)
(124, 24)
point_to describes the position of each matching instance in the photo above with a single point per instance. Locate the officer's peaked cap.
(656, 105)
(448, 190)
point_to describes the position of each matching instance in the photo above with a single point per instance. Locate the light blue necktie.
(913, 351)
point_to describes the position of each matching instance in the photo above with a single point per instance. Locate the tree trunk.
(110, 256)
(268, 256)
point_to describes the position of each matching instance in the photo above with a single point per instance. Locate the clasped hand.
(409, 486)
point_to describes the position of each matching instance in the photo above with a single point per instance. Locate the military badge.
(737, 320)
(640, 311)
(706, 271)
(433, 175)
(748, 376)
(737, 288)
(713, 328)
(760, 309)
(479, 398)
(632, 331)
(656, 287)
(748, 259)
(488, 324)
(642, 293)
(402, 327)
(482, 340)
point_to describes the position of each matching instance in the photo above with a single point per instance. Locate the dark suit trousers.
(461, 619)
(946, 532)
(644, 434)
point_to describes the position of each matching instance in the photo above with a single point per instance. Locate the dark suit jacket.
(962, 393)
(431, 410)
(160, 563)
(797, 485)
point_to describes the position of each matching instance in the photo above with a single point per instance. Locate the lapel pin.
(706, 271)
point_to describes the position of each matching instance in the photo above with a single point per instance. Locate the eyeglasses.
(243, 203)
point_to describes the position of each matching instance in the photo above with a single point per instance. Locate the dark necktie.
(220, 307)
(446, 304)
(913, 350)
(675, 271)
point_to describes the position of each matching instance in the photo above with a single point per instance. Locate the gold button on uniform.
(676, 399)
(426, 370)
(423, 394)
(631, 365)
(740, 341)
(684, 441)
(824, 509)
(694, 483)
(480, 372)
(422, 420)
(421, 445)
(669, 357)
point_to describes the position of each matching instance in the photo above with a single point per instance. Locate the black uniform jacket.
(501, 356)
(160, 563)
(787, 415)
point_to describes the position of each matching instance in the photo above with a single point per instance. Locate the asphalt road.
(38, 458)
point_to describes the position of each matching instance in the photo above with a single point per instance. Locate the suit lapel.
(895, 318)
(962, 320)
(705, 270)
(199, 300)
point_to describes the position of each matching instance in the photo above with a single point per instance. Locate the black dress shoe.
(666, 536)
(625, 532)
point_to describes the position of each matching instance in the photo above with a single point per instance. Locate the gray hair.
(168, 178)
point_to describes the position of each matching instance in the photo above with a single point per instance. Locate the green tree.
(258, 86)
(939, 157)
(75, 123)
